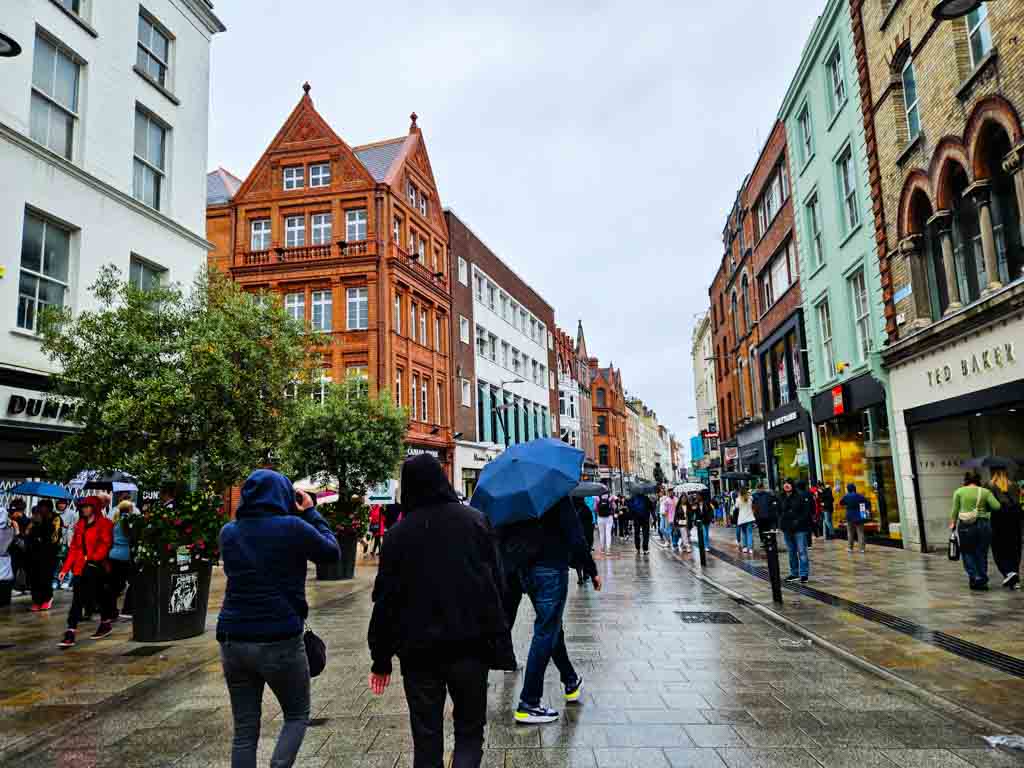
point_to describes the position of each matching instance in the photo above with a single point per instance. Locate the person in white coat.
(745, 520)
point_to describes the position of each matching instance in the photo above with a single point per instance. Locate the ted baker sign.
(988, 359)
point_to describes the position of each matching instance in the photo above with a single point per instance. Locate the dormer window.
(294, 177)
(423, 204)
(320, 175)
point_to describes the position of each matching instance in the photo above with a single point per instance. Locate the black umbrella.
(115, 481)
(992, 462)
(589, 489)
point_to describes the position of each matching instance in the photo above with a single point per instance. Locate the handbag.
(970, 518)
(954, 547)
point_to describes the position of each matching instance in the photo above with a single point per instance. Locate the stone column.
(943, 222)
(912, 248)
(981, 191)
(1012, 164)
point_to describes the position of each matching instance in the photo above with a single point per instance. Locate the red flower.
(188, 529)
(170, 547)
(201, 544)
(177, 521)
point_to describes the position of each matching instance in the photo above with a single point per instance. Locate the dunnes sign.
(976, 364)
(27, 406)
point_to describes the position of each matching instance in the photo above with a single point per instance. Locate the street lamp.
(8, 46)
(947, 10)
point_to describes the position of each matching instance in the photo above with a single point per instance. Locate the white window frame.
(355, 225)
(492, 347)
(156, 272)
(41, 276)
(320, 393)
(147, 55)
(861, 304)
(144, 164)
(260, 234)
(413, 392)
(396, 230)
(425, 399)
(492, 294)
(481, 341)
(295, 306)
(463, 329)
(294, 231)
(911, 108)
(437, 332)
(324, 302)
(357, 309)
(467, 393)
(813, 211)
(848, 188)
(398, 387)
(293, 177)
(424, 319)
(824, 313)
(321, 227)
(836, 81)
(47, 98)
(320, 175)
(463, 271)
(806, 133)
(981, 29)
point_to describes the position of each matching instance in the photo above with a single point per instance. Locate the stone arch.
(916, 191)
(949, 153)
(990, 116)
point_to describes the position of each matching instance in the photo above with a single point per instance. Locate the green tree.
(174, 387)
(353, 439)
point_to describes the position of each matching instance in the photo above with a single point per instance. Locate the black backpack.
(520, 544)
(604, 508)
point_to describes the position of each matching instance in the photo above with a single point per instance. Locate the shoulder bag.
(970, 518)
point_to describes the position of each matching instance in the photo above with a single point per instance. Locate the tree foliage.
(174, 387)
(353, 439)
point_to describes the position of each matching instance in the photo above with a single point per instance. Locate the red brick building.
(353, 242)
(611, 441)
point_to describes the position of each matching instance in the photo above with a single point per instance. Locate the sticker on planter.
(184, 593)
(184, 557)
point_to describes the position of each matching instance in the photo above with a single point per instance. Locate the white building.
(103, 149)
(701, 351)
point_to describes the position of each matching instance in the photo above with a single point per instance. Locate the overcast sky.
(596, 146)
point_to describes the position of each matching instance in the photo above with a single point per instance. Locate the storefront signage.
(32, 407)
(793, 416)
(413, 451)
(977, 363)
(838, 407)
(731, 454)
(710, 433)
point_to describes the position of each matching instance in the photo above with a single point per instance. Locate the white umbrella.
(691, 488)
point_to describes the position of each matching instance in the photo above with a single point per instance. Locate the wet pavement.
(906, 612)
(662, 689)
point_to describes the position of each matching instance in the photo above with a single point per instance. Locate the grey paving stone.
(768, 758)
(666, 716)
(714, 735)
(631, 758)
(694, 758)
(991, 758)
(926, 758)
(727, 716)
(850, 757)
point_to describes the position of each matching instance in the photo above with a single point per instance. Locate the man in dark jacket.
(858, 510)
(641, 508)
(437, 605)
(796, 519)
(545, 579)
(828, 504)
(766, 508)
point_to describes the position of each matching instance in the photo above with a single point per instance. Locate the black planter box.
(345, 568)
(6, 588)
(170, 601)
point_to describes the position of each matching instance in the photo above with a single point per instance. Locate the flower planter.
(170, 601)
(345, 568)
(5, 592)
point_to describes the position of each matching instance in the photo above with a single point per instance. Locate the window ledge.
(849, 235)
(889, 14)
(145, 76)
(26, 334)
(814, 272)
(905, 153)
(964, 91)
(835, 116)
(806, 163)
(77, 19)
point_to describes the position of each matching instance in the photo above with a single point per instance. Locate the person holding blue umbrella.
(525, 493)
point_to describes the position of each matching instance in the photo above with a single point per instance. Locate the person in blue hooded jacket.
(264, 551)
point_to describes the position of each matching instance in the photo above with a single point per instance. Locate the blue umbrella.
(526, 480)
(40, 490)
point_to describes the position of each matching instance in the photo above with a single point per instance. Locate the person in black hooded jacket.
(796, 519)
(437, 606)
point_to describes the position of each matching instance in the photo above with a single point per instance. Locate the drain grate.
(707, 617)
(147, 650)
(5, 646)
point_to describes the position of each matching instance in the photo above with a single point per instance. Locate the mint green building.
(839, 274)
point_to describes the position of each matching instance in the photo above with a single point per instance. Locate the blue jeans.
(547, 589)
(796, 543)
(247, 668)
(974, 543)
(826, 517)
(747, 535)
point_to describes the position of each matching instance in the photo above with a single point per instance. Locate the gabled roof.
(221, 186)
(378, 157)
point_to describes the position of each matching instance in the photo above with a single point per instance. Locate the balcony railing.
(306, 253)
(416, 264)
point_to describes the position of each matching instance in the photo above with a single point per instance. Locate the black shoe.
(792, 577)
(69, 639)
(803, 579)
(535, 715)
(1012, 580)
(102, 631)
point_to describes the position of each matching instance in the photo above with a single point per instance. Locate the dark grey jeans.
(247, 668)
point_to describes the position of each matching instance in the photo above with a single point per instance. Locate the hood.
(95, 501)
(424, 484)
(266, 493)
(852, 488)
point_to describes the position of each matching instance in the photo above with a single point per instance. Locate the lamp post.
(503, 409)
(947, 10)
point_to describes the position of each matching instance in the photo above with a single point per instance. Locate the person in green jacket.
(972, 519)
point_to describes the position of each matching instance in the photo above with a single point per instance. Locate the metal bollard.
(771, 549)
(700, 545)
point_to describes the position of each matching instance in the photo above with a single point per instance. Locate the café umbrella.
(526, 480)
(40, 490)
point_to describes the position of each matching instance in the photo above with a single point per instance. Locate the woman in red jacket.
(87, 562)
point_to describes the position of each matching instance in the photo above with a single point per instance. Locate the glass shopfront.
(855, 448)
(790, 459)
